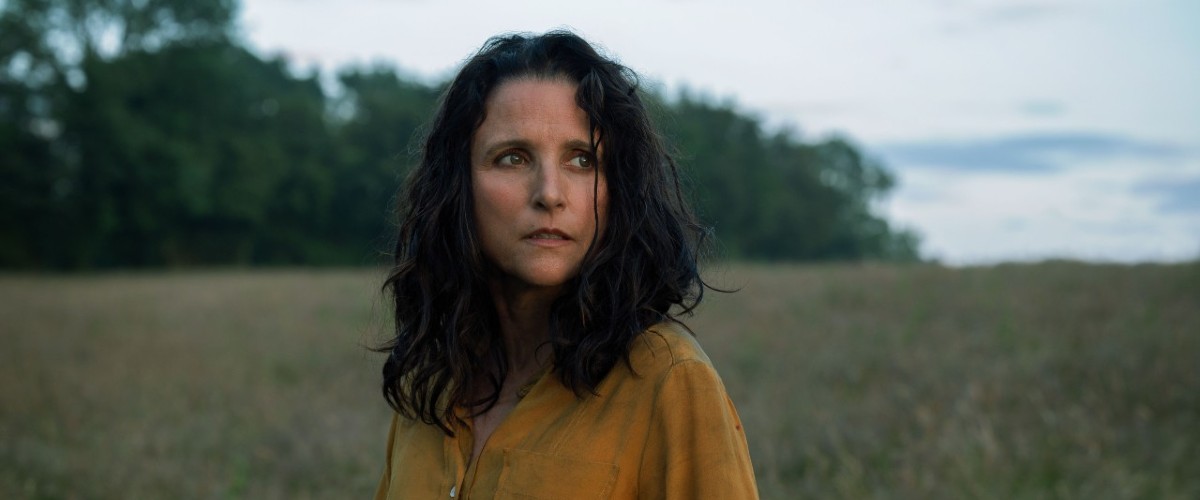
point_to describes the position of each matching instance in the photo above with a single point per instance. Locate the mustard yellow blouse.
(665, 430)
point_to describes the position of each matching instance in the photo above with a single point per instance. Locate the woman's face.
(534, 179)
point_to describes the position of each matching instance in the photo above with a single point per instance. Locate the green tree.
(379, 116)
(198, 154)
(779, 198)
(151, 138)
(46, 47)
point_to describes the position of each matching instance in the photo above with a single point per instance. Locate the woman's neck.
(523, 314)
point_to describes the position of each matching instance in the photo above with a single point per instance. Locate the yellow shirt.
(665, 430)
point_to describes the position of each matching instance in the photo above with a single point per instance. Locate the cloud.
(1011, 13)
(1042, 108)
(1176, 196)
(970, 18)
(1026, 153)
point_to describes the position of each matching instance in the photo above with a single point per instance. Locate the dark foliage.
(137, 134)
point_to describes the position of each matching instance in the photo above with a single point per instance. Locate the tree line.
(143, 133)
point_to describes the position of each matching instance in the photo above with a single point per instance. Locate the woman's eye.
(582, 161)
(511, 159)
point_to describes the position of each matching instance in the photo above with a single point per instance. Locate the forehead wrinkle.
(520, 127)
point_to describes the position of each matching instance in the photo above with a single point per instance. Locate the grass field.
(1054, 380)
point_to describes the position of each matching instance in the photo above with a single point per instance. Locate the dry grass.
(221, 385)
(1056, 380)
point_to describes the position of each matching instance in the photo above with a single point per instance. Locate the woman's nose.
(548, 191)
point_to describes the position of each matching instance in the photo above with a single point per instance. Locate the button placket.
(454, 459)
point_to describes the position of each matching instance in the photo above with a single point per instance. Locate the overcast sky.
(1019, 130)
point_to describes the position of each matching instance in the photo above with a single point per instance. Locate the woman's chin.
(551, 278)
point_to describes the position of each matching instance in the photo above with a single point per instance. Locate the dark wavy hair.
(643, 265)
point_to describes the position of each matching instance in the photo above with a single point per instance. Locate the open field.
(1054, 380)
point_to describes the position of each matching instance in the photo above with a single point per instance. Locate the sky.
(1018, 130)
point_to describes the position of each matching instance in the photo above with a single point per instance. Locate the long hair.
(644, 264)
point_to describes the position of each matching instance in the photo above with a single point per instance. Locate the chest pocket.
(532, 475)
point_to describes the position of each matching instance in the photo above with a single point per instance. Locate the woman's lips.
(548, 238)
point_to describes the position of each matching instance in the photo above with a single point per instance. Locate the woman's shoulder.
(663, 346)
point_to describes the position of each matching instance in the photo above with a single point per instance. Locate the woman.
(542, 247)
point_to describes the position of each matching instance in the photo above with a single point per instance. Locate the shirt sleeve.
(696, 447)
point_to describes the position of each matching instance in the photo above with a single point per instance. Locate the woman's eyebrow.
(496, 147)
(579, 144)
(503, 144)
